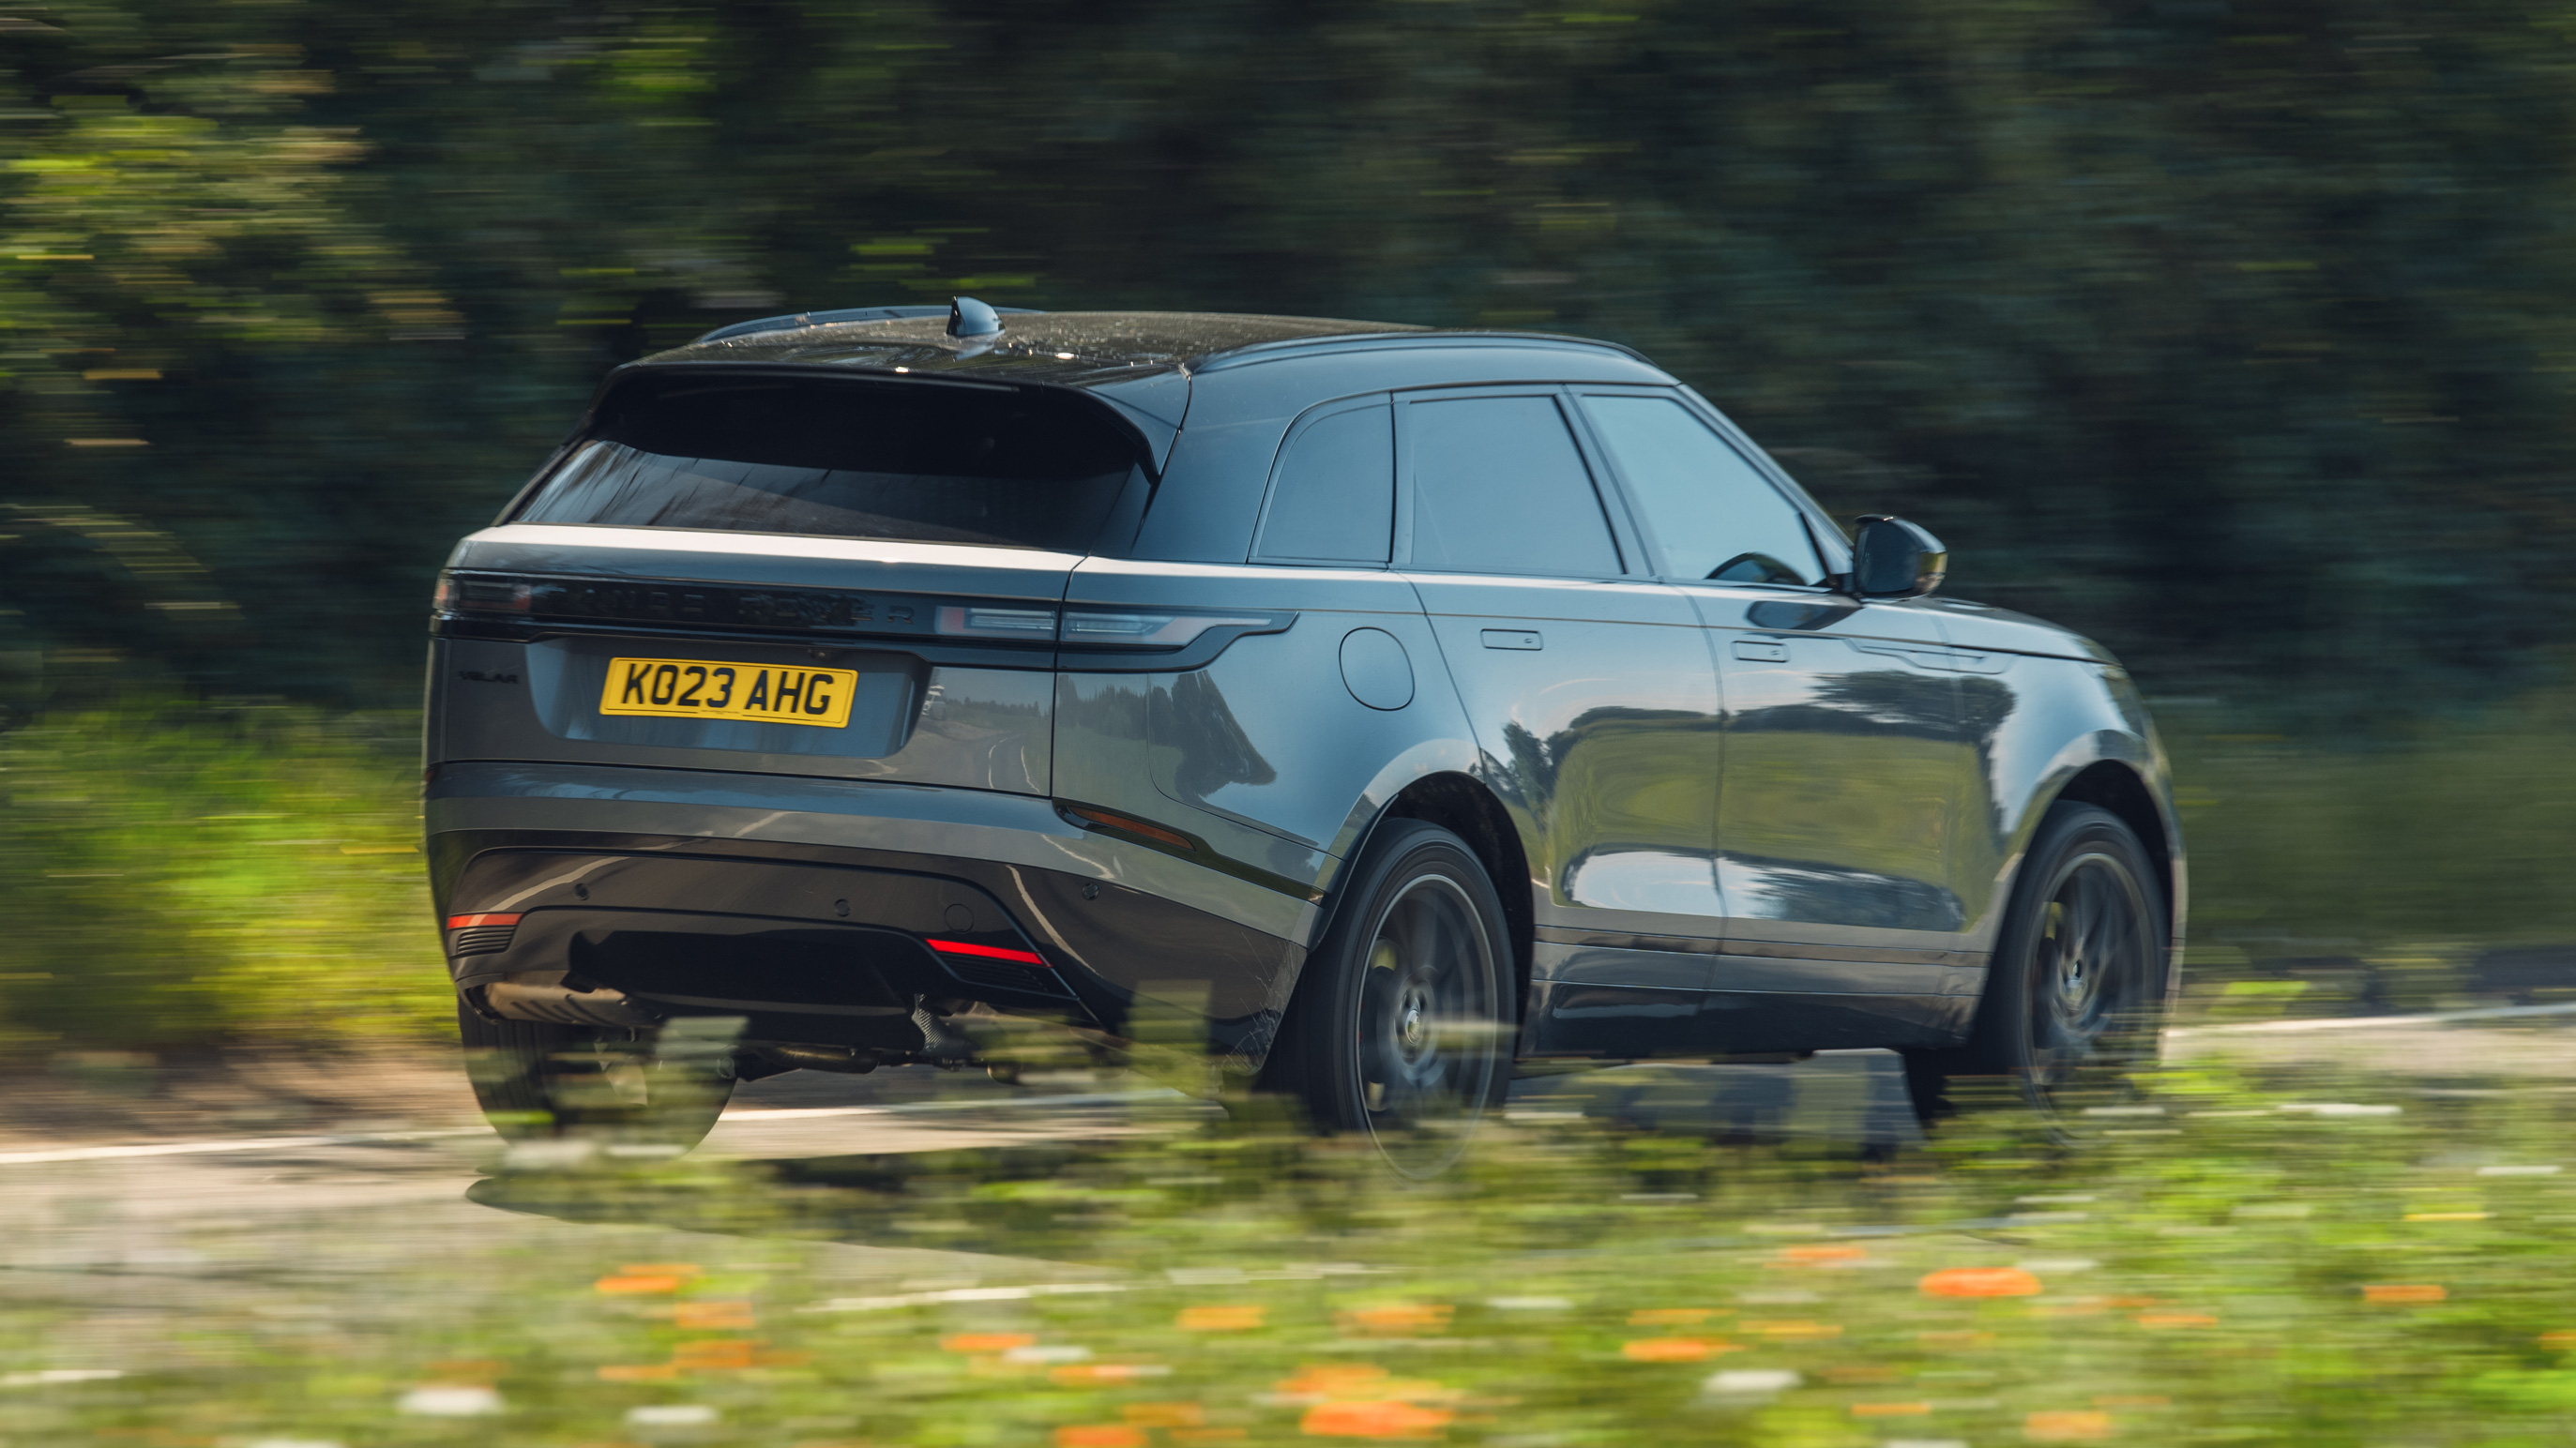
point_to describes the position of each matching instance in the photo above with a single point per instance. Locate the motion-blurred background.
(2235, 333)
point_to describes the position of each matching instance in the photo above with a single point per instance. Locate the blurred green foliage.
(2230, 333)
(180, 876)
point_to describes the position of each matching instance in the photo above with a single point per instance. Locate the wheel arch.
(2116, 786)
(1459, 804)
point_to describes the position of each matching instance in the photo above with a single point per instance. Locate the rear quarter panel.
(1265, 751)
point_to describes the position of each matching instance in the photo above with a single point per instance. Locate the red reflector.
(467, 922)
(1132, 826)
(960, 947)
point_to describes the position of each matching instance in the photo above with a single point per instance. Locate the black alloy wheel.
(1403, 1022)
(2076, 995)
(657, 1093)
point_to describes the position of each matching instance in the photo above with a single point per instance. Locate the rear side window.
(1499, 488)
(848, 460)
(1334, 500)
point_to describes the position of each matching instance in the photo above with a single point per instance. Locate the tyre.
(537, 1081)
(1402, 1025)
(2075, 998)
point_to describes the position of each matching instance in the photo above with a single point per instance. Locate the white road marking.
(2362, 1023)
(219, 1144)
(296, 1143)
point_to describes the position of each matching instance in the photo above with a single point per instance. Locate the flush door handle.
(1512, 638)
(1761, 651)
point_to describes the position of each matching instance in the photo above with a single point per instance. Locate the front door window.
(1706, 512)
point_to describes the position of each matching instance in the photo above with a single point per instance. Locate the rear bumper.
(826, 908)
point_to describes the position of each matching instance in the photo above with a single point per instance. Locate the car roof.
(1065, 349)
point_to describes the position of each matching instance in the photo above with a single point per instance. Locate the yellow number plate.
(711, 689)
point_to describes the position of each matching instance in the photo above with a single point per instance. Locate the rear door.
(1593, 700)
(1847, 765)
(795, 575)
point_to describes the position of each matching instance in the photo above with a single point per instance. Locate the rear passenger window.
(1334, 501)
(1499, 488)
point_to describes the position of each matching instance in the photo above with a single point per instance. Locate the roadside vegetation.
(2231, 1260)
(176, 875)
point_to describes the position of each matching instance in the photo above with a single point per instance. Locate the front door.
(1595, 708)
(1838, 814)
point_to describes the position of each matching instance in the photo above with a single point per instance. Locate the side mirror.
(1895, 559)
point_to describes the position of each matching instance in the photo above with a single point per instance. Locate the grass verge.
(2229, 1261)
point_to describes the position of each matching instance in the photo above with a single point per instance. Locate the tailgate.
(838, 657)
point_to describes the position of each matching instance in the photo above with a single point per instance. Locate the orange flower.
(1378, 1419)
(647, 1373)
(1794, 1329)
(714, 1353)
(1890, 1410)
(986, 1341)
(2561, 1340)
(1164, 1415)
(1331, 1379)
(1220, 1319)
(714, 1316)
(1979, 1282)
(628, 1284)
(1821, 1255)
(1099, 1435)
(2404, 1292)
(1673, 1349)
(1669, 1316)
(2066, 1427)
(1396, 1319)
(2168, 1321)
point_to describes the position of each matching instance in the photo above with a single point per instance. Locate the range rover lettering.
(1393, 707)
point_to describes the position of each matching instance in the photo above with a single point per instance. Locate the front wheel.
(659, 1092)
(1401, 1027)
(2075, 999)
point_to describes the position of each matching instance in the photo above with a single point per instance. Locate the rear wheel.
(537, 1081)
(2075, 998)
(1402, 1025)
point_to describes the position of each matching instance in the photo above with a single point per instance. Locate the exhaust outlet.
(555, 1003)
(849, 1060)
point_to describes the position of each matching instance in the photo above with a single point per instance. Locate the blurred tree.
(2229, 332)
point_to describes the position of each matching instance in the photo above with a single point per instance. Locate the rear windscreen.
(926, 463)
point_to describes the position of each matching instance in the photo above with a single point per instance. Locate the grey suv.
(1393, 706)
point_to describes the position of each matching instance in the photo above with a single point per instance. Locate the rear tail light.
(483, 595)
(1151, 630)
(986, 952)
(468, 922)
(969, 621)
